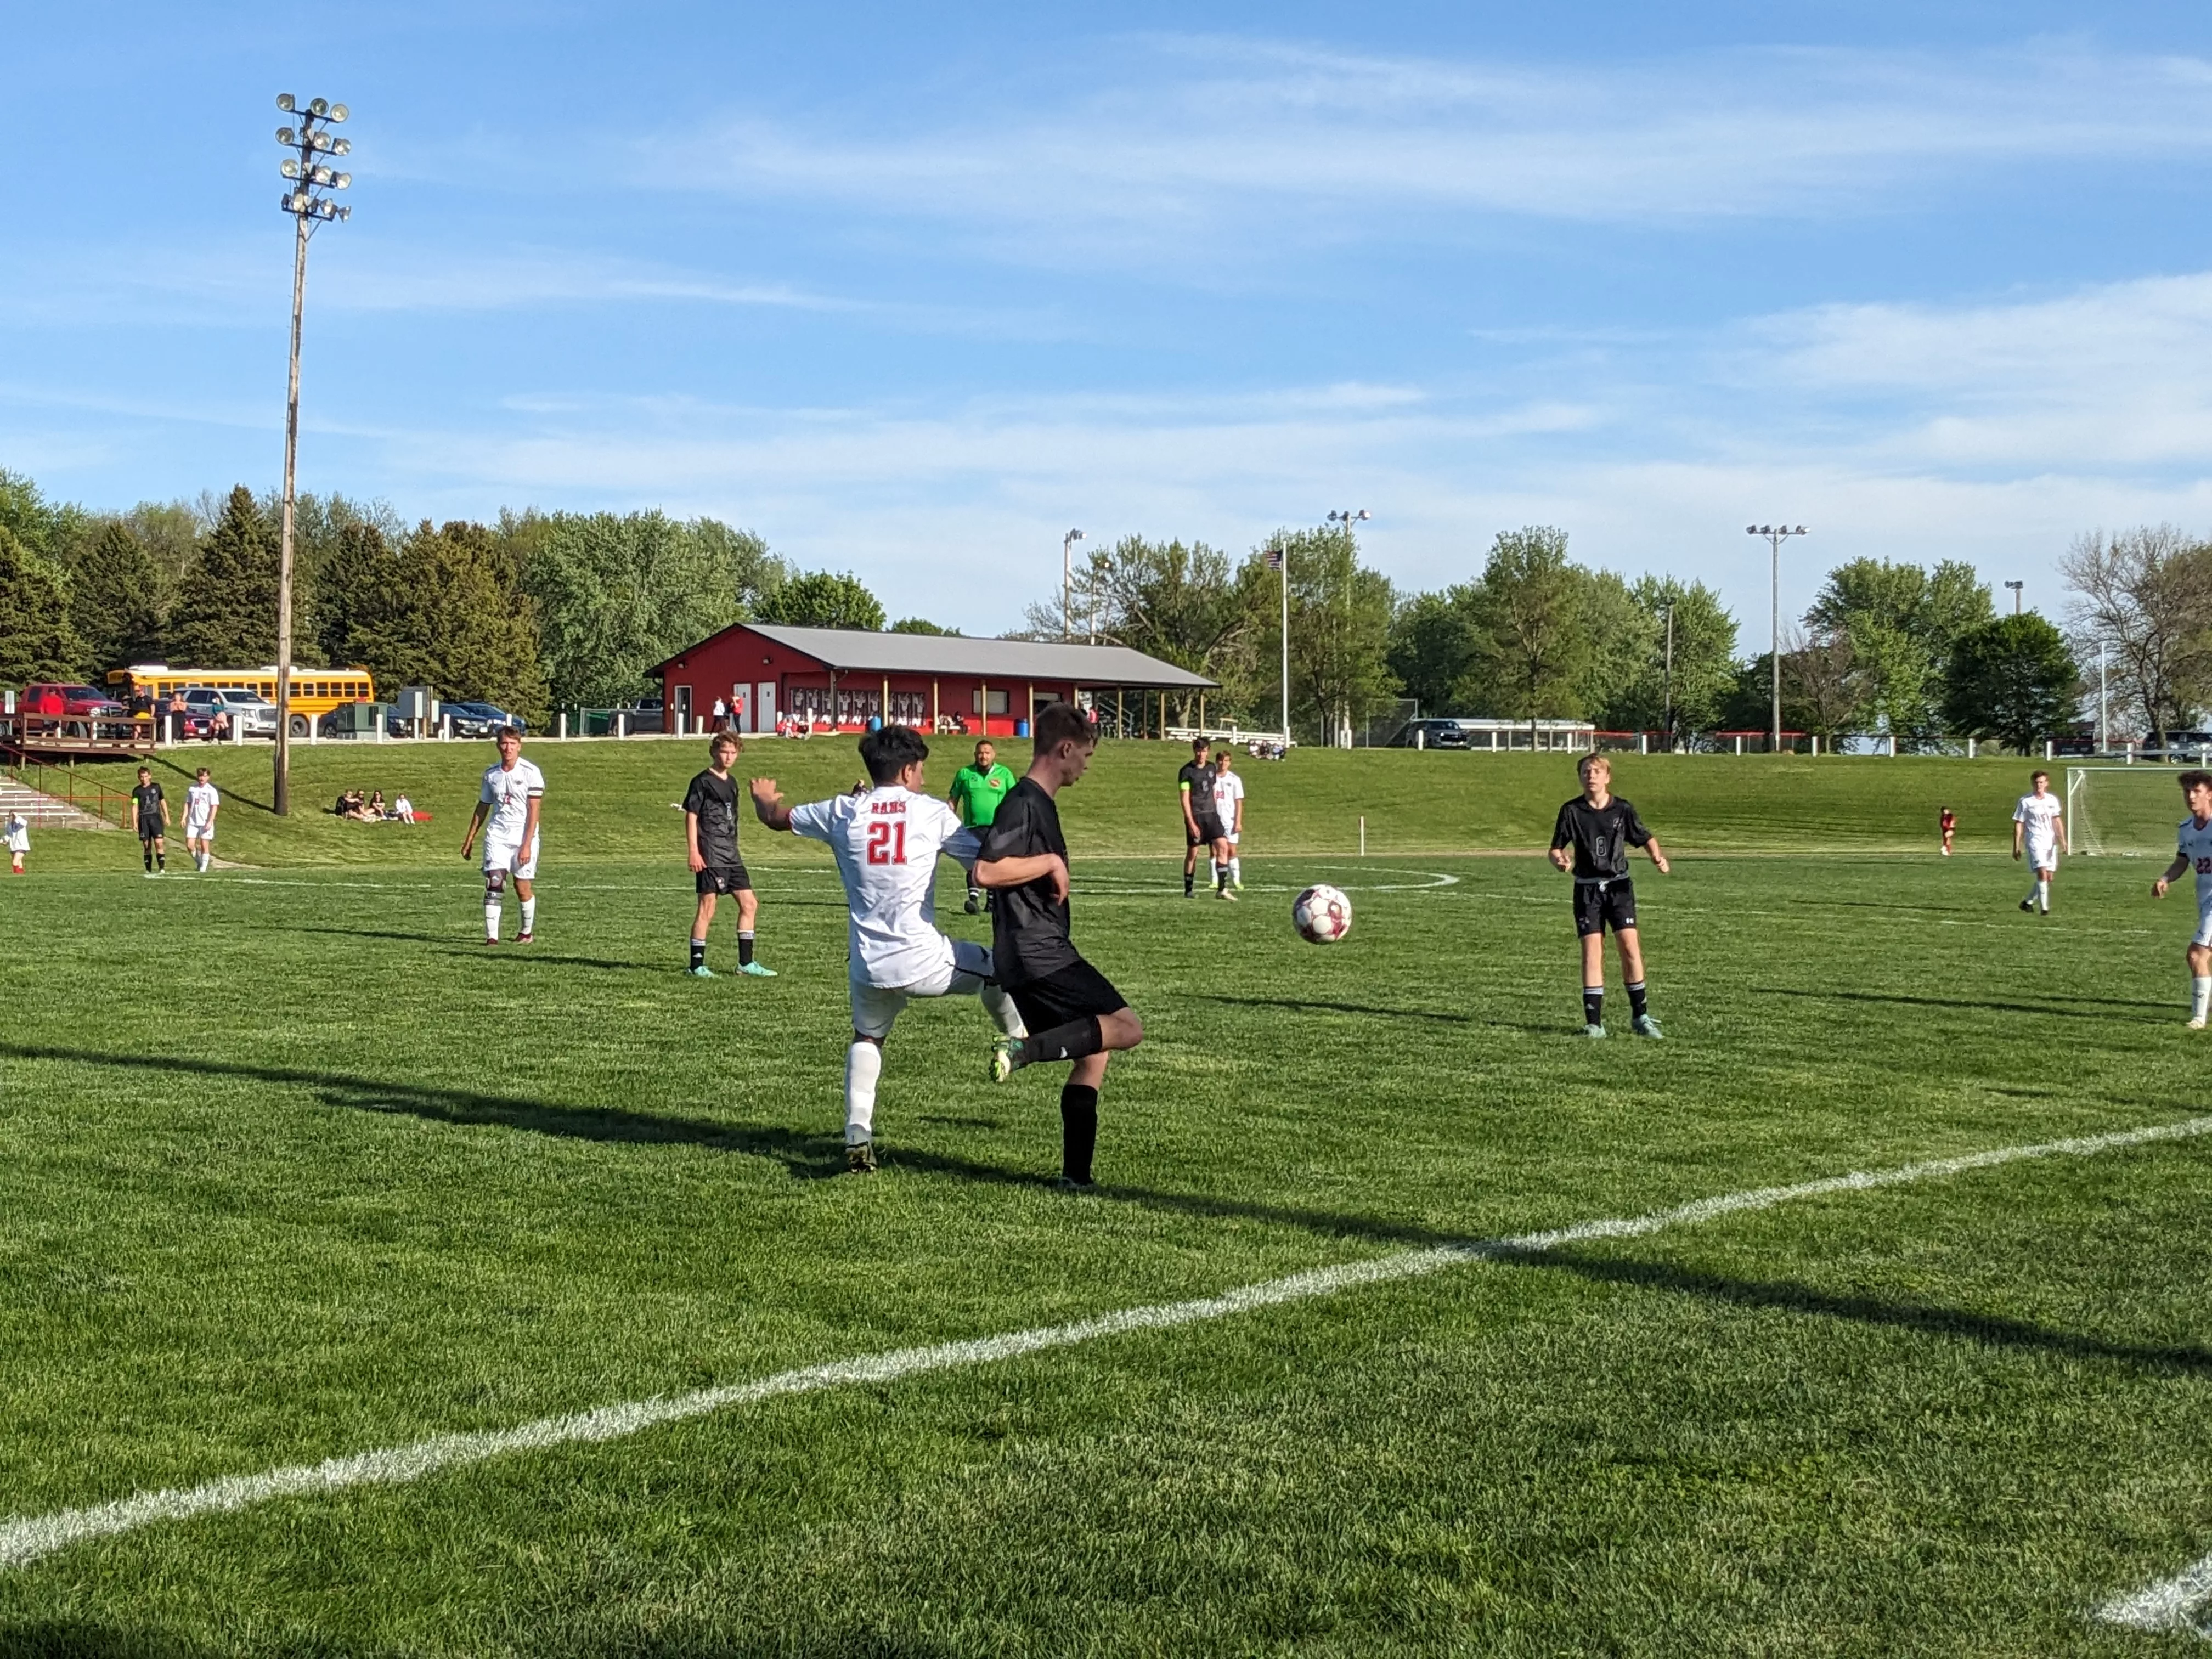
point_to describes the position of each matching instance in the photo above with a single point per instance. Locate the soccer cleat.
(2195, 1024)
(524, 939)
(1644, 1026)
(2028, 905)
(1005, 1058)
(702, 971)
(1223, 893)
(974, 905)
(493, 939)
(1070, 1184)
(1593, 1030)
(756, 969)
(861, 1157)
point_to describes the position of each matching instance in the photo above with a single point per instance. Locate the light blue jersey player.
(2193, 851)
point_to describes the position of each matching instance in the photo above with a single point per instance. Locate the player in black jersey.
(1601, 828)
(710, 832)
(153, 809)
(1072, 1011)
(1202, 823)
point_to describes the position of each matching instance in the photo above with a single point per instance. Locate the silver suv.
(249, 714)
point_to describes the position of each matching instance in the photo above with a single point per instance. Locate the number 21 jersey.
(886, 844)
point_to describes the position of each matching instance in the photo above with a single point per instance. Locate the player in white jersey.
(202, 801)
(507, 809)
(1228, 806)
(886, 842)
(2038, 828)
(2193, 851)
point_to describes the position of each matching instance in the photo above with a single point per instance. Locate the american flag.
(1275, 558)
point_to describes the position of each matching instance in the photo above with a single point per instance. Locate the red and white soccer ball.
(1322, 914)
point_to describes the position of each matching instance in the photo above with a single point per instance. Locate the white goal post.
(2123, 811)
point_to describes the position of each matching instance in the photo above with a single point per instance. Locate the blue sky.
(911, 294)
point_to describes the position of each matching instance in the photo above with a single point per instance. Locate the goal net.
(2123, 811)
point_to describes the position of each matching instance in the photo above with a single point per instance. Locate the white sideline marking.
(33, 1537)
(2171, 1604)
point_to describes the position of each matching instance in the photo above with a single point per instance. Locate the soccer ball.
(1322, 914)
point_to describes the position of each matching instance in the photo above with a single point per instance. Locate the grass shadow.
(1310, 1006)
(2046, 1010)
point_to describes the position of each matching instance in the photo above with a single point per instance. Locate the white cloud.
(1199, 136)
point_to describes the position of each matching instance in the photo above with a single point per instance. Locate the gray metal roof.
(852, 650)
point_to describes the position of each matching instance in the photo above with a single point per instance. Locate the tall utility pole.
(2104, 737)
(1776, 534)
(1670, 678)
(2015, 587)
(1345, 518)
(1279, 557)
(307, 174)
(1067, 583)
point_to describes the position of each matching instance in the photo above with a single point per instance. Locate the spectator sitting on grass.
(403, 809)
(376, 805)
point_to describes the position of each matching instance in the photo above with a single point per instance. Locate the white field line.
(2173, 1604)
(32, 1538)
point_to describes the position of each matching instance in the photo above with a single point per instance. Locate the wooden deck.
(80, 735)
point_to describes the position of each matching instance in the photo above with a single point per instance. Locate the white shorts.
(2202, 937)
(876, 1008)
(1233, 836)
(2042, 855)
(199, 828)
(508, 856)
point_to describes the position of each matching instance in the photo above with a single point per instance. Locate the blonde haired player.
(507, 810)
(886, 840)
(2038, 828)
(2193, 851)
(1229, 807)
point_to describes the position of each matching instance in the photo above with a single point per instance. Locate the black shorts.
(152, 830)
(725, 878)
(1076, 992)
(1209, 831)
(1601, 905)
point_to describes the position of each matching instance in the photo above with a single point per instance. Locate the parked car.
(358, 720)
(51, 697)
(1429, 734)
(644, 715)
(2185, 748)
(479, 719)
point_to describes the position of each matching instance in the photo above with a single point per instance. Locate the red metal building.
(842, 678)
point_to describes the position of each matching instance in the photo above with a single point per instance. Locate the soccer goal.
(2123, 811)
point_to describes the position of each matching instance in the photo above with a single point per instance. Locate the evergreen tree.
(36, 641)
(2012, 679)
(117, 593)
(437, 611)
(226, 611)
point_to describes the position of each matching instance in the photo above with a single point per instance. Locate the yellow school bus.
(315, 691)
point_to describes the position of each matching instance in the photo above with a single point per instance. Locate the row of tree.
(535, 611)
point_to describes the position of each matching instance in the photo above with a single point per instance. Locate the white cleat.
(2195, 1024)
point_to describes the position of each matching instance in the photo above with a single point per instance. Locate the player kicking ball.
(1072, 1011)
(507, 810)
(710, 835)
(2193, 851)
(1601, 828)
(886, 842)
(2038, 827)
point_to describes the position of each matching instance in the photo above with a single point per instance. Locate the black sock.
(1593, 1004)
(744, 947)
(1221, 878)
(1635, 999)
(698, 953)
(161, 860)
(1072, 1041)
(148, 850)
(1187, 878)
(1079, 1131)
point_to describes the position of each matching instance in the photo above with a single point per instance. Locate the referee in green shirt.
(976, 792)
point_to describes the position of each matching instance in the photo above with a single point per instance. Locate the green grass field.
(292, 1169)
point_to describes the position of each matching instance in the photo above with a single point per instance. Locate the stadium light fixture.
(304, 177)
(1067, 582)
(2016, 587)
(1776, 534)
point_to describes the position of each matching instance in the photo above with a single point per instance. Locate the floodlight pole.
(1776, 534)
(2015, 587)
(307, 175)
(1067, 583)
(1283, 565)
(1670, 678)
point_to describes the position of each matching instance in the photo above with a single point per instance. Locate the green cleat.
(1644, 1025)
(1005, 1058)
(1593, 1030)
(756, 970)
(702, 971)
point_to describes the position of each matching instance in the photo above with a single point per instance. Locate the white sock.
(864, 1063)
(2200, 997)
(1235, 870)
(2042, 895)
(529, 915)
(491, 918)
(1001, 1009)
